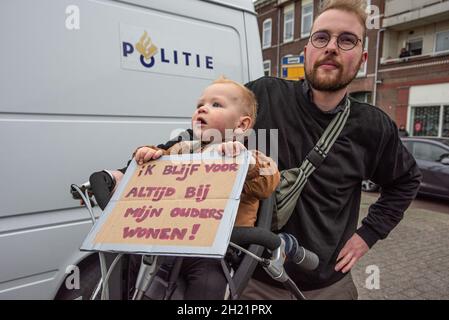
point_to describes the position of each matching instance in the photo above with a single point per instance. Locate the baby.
(225, 111)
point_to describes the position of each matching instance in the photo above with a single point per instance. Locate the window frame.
(303, 16)
(412, 118)
(367, 95)
(444, 134)
(266, 21)
(436, 38)
(415, 40)
(287, 10)
(269, 67)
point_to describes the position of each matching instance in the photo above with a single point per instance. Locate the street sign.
(293, 67)
(293, 60)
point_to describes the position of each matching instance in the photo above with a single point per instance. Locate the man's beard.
(330, 83)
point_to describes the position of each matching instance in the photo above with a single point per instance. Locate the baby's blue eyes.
(214, 105)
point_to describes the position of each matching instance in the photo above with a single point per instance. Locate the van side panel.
(254, 53)
(34, 253)
(74, 101)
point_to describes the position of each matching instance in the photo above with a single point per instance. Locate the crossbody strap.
(325, 143)
(316, 156)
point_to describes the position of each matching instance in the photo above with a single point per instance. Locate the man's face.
(330, 68)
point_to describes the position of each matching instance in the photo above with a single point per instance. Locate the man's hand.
(353, 250)
(230, 149)
(146, 154)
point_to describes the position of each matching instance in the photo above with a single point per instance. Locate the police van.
(83, 83)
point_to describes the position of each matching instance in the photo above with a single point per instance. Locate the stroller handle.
(102, 184)
(255, 235)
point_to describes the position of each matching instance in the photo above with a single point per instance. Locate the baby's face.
(219, 108)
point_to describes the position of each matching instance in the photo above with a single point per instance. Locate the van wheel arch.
(90, 274)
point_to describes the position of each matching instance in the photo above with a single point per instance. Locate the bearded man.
(325, 219)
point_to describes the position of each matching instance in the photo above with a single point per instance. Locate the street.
(413, 262)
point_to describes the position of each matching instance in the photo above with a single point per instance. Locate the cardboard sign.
(182, 205)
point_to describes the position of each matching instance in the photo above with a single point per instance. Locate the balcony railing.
(384, 61)
(399, 12)
(396, 7)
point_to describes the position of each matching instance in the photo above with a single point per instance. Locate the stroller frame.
(240, 277)
(237, 279)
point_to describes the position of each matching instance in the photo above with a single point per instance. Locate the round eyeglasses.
(345, 41)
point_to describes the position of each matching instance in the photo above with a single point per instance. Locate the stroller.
(157, 277)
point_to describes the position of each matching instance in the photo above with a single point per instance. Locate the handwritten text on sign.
(171, 204)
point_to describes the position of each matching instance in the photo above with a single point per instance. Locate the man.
(326, 215)
(404, 53)
(402, 131)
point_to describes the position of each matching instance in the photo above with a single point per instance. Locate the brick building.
(284, 31)
(412, 73)
(413, 78)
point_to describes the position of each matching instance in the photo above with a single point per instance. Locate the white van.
(82, 84)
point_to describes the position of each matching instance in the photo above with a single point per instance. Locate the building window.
(289, 22)
(445, 132)
(442, 41)
(306, 18)
(426, 121)
(414, 47)
(266, 34)
(267, 67)
(362, 96)
(363, 67)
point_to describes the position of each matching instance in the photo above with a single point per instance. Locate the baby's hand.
(145, 154)
(230, 149)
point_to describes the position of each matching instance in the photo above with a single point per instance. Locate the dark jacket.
(326, 215)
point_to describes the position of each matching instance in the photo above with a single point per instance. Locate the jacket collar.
(307, 90)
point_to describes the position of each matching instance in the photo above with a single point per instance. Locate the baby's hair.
(248, 98)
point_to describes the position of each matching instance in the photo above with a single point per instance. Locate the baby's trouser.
(205, 279)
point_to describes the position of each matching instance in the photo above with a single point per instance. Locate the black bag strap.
(174, 271)
(232, 289)
(317, 155)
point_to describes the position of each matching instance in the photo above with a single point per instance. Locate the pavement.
(412, 263)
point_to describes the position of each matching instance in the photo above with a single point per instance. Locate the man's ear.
(364, 56)
(244, 124)
(305, 52)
